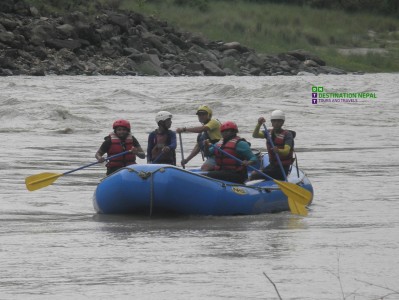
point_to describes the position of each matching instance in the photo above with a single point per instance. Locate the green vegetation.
(386, 7)
(90, 7)
(275, 28)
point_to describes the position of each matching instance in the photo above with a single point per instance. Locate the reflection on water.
(279, 221)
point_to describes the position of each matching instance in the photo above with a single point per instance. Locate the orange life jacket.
(224, 162)
(118, 146)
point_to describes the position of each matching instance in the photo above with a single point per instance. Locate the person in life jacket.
(283, 141)
(118, 141)
(209, 130)
(162, 141)
(227, 168)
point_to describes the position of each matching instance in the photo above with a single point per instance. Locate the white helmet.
(162, 116)
(277, 115)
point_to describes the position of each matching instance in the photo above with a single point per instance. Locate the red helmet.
(121, 123)
(228, 125)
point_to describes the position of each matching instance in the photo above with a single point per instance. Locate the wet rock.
(120, 20)
(310, 63)
(37, 72)
(6, 72)
(149, 68)
(332, 70)
(6, 37)
(60, 44)
(212, 69)
(194, 67)
(67, 31)
(303, 55)
(177, 70)
(7, 6)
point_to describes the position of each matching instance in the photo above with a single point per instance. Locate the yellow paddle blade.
(41, 180)
(295, 192)
(297, 208)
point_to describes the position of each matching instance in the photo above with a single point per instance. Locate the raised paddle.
(269, 139)
(297, 196)
(42, 180)
(294, 206)
(181, 149)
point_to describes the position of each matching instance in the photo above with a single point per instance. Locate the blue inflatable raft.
(164, 189)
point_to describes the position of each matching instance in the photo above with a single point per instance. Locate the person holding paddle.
(120, 140)
(209, 130)
(227, 168)
(283, 142)
(162, 141)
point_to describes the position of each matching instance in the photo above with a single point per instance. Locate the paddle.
(298, 197)
(181, 149)
(156, 159)
(294, 206)
(269, 139)
(42, 180)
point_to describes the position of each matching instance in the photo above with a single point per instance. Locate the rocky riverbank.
(128, 43)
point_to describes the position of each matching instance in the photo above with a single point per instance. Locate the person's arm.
(173, 144)
(244, 149)
(210, 146)
(193, 153)
(284, 151)
(150, 146)
(102, 150)
(99, 156)
(288, 141)
(136, 149)
(257, 133)
(196, 129)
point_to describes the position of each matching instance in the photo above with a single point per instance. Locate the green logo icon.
(317, 89)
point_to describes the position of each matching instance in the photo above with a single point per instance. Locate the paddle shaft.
(96, 162)
(158, 157)
(269, 139)
(181, 149)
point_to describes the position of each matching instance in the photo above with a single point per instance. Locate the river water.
(53, 245)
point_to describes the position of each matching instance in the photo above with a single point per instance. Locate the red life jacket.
(279, 143)
(224, 162)
(117, 147)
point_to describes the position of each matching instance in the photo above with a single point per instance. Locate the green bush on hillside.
(202, 5)
(388, 7)
(87, 6)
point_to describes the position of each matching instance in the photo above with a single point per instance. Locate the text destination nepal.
(347, 95)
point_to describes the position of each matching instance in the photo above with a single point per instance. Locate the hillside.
(357, 41)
